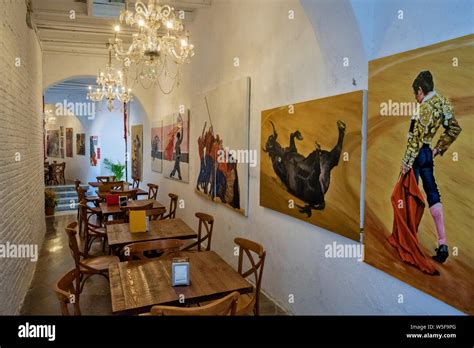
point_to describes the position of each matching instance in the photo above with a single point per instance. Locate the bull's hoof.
(305, 210)
(341, 125)
(298, 135)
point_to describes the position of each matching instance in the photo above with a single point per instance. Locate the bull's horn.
(274, 131)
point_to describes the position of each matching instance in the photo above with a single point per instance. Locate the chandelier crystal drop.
(111, 85)
(158, 41)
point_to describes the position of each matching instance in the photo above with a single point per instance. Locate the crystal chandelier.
(158, 42)
(111, 85)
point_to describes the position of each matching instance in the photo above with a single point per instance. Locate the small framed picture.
(180, 272)
(123, 201)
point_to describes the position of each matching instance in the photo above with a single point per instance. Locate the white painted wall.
(287, 63)
(107, 125)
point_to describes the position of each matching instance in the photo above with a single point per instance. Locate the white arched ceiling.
(340, 43)
(61, 67)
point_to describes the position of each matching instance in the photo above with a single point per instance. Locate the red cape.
(408, 205)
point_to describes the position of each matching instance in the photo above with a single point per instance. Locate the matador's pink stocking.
(437, 214)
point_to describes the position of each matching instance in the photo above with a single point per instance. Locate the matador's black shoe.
(441, 253)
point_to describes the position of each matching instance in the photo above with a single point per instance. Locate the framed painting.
(310, 161)
(69, 135)
(81, 144)
(223, 145)
(94, 150)
(418, 215)
(52, 143)
(176, 146)
(157, 147)
(137, 151)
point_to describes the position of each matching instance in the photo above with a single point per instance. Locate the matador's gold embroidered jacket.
(435, 110)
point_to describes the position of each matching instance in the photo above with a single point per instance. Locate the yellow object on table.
(138, 221)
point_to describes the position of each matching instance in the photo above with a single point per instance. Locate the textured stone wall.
(21, 150)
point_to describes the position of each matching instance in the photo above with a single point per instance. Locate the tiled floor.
(55, 260)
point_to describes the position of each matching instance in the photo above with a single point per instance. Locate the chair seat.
(100, 263)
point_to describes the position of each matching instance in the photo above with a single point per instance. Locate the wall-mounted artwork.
(176, 146)
(223, 145)
(52, 141)
(137, 151)
(157, 147)
(94, 150)
(418, 220)
(69, 135)
(310, 162)
(81, 144)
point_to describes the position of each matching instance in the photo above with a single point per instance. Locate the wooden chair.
(131, 194)
(47, 173)
(208, 222)
(250, 302)
(106, 187)
(82, 198)
(164, 247)
(148, 207)
(67, 293)
(105, 178)
(87, 266)
(58, 176)
(223, 306)
(152, 191)
(92, 231)
(136, 182)
(173, 206)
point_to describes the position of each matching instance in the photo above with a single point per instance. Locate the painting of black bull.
(308, 177)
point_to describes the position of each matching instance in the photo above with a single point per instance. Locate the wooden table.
(119, 234)
(140, 192)
(136, 286)
(115, 209)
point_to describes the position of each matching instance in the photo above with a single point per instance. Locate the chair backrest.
(105, 178)
(110, 185)
(173, 205)
(152, 191)
(77, 182)
(148, 207)
(131, 194)
(224, 306)
(81, 194)
(256, 267)
(73, 244)
(136, 182)
(67, 293)
(165, 246)
(207, 221)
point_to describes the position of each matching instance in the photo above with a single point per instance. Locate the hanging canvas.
(223, 145)
(52, 141)
(137, 151)
(310, 162)
(157, 147)
(81, 144)
(69, 134)
(94, 150)
(176, 146)
(419, 185)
